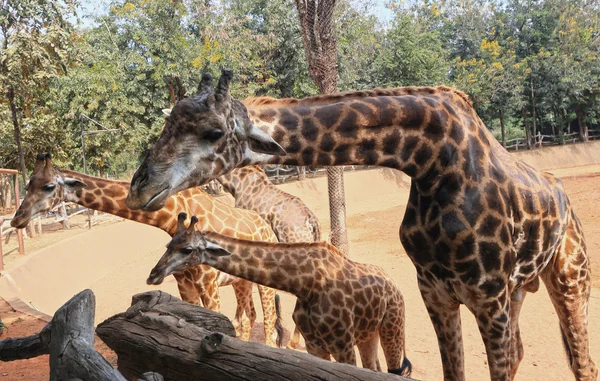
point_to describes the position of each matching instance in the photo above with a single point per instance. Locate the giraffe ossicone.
(341, 303)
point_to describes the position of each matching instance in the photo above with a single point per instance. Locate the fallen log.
(26, 347)
(69, 339)
(148, 339)
(163, 303)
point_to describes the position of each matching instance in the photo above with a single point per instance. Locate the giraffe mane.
(275, 245)
(92, 178)
(259, 102)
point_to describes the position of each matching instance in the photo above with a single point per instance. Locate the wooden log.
(164, 303)
(69, 339)
(149, 340)
(72, 353)
(151, 376)
(26, 347)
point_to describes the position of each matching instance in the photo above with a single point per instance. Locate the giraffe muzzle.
(156, 277)
(20, 220)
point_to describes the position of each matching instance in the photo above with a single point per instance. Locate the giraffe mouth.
(158, 201)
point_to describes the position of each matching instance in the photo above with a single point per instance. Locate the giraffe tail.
(405, 369)
(567, 348)
(278, 322)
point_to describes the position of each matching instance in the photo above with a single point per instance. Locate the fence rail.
(540, 140)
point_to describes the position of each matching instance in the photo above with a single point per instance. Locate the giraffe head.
(204, 137)
(47, 187)
(187, 249)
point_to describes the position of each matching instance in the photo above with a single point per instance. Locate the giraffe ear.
(216, 250)
(73, 184)
(262, 142)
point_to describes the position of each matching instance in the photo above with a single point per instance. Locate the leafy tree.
(410, 54)
(36, 46)
(494, 82)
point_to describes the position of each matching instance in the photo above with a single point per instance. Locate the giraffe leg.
(567, 279)
(245, 314)
(445, 316)
(209, 294)
(272, 323)
(391, 334)
(368, 353)
(317, 351)
(516, 344)
(346, 355)
(295, 340)
(493, 318)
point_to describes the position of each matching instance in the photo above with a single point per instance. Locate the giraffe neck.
(287, 267)
(109, 196)
(242, 182)
(405, 129)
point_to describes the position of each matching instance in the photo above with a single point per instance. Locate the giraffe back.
(290, 218)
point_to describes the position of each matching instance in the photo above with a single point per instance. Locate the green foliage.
(36, 47)
(410, 54)
(507, 56)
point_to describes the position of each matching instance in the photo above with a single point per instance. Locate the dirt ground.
(374, 216)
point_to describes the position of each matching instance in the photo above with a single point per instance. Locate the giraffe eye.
(212, 135)
(48, 187)
(187, 250)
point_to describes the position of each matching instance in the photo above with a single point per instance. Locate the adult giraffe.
(480, 226)
(49, 186)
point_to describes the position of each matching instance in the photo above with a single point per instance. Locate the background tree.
(531, 66)
(36, 45)
(320, 45)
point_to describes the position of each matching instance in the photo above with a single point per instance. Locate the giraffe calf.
(341, 303)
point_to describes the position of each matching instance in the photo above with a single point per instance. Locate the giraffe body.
(291, 220)
(341, 303)
(480, 226)
(49, 186)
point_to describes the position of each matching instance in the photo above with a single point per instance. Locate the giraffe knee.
(404, 370)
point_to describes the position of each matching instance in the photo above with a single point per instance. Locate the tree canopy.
(529, 65)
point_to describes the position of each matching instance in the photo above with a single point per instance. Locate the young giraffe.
(340, 303)
(291, 220)
(49, 186)
(481, 226)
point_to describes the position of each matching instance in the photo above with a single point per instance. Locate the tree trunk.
(527, 130)
(337, 209)
(503, 130)
(583, 130)
(320, 45)
(533, 114)
(10, 94)
(153, 336)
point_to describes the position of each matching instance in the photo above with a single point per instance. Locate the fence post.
(65, 217)
(1, 253)
(18, 204)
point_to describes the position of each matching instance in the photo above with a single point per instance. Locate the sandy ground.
(375, 202)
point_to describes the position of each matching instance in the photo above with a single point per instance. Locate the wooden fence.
(540, 140)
